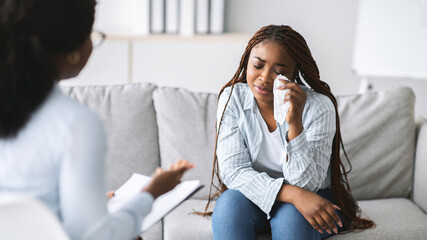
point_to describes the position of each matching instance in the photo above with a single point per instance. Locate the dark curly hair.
(31, 34)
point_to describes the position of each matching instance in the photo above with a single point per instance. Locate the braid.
(307, 70)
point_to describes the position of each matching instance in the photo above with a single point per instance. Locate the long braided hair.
(307, 70)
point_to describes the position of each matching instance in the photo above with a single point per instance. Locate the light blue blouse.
(239, 140)
(59, 158)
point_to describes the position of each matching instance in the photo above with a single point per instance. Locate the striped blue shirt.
(240, 137)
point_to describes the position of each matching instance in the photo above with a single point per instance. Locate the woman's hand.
(164, 181)
(181, 163)
(319, 212)
(296, 97)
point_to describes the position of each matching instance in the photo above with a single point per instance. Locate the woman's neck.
(267, 113)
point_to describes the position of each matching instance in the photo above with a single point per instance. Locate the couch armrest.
(420, 172)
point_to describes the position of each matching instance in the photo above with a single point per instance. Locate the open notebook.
(161, 206)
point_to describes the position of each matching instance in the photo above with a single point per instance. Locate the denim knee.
(236, 217)
(231, 206)
(288, 223)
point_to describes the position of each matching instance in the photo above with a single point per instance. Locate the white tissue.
(280, 108)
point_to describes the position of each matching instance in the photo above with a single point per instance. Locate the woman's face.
(267, 60)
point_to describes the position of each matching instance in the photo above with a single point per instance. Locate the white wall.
(328, 31)
(108, 64)
(328, 26)
(207, 63)
(198, 64)
(201, 63)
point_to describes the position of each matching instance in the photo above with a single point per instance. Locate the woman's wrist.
(288, 193)
(152, 190)
(295, 130)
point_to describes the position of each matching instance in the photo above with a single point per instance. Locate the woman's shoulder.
(57, 123)
(240, 90)
(62, 112)
(237, 99)
(317, 101)
(71, 108)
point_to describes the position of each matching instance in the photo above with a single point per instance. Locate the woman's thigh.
(236, 217)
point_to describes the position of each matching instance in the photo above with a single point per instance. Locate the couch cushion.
(378, 130)
(153, 233)
(395, 218)
(182, 224)
(130, 123)
(186, 123)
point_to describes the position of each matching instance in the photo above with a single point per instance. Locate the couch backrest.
(143, 121)
(378, 130)
(186, 123)
(130, 122)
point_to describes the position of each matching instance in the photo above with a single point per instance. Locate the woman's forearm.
(294, 130)
(318, 211)
(288, 193)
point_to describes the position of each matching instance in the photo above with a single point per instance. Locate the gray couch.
(150, 126)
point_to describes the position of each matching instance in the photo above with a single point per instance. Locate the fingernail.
(321, 231)
(329, 231)
(340, 223)
(336, 230)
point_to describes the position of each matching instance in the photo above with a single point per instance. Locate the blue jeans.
(236, 217)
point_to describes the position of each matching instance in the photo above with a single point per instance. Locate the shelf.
(227, 37)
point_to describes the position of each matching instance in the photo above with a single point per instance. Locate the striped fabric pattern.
(240, 136)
